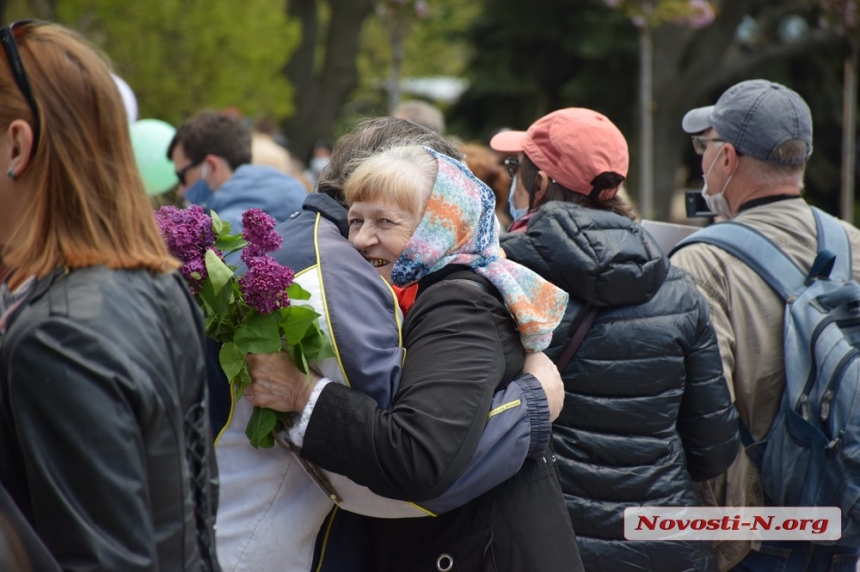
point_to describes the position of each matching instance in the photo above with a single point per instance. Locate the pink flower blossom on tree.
(701, 14)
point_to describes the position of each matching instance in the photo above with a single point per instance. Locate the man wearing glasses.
(755, 143)
(211, 153)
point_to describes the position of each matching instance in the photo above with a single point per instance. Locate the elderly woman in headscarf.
(428, 226)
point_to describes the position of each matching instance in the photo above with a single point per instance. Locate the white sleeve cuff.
(297, 431)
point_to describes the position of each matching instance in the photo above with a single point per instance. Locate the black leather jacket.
(105, 442)
(647, 410)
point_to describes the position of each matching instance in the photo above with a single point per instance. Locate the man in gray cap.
(754, 144)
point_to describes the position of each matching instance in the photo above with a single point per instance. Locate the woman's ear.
(539, 197)
(21, 142)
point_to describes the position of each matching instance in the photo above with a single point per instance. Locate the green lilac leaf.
(258, 334)
(242, 381)
(218, 306)
(260, 426)
(208, 299)
(230, 243)
(219, 273)
(316, 344)
(297, 322)
(296, 292)
(232, 360)
(217, 223)
(295, 352)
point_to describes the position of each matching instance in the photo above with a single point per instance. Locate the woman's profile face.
(380, 231)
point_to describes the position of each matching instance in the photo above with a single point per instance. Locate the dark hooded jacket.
(647, 410)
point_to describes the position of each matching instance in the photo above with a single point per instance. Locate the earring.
(11, 174)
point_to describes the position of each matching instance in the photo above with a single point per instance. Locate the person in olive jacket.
(647, 410)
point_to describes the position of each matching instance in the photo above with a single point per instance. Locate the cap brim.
(508, 141)
(697, 120)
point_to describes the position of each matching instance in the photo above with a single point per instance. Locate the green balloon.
(150, 139)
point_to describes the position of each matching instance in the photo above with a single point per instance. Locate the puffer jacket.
(105, 443)
(647, 410)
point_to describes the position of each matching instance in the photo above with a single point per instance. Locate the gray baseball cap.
(756, 117)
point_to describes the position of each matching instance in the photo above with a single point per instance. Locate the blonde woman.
(428, 227)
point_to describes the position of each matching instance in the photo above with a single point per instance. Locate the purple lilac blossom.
(188, 234)
(258, 229)
(264, 284)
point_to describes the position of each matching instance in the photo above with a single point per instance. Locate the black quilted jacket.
(647, 410)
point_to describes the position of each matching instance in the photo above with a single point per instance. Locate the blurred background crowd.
(303, 72)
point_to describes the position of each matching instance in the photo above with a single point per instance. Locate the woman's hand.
(547, 374)
(276, 382)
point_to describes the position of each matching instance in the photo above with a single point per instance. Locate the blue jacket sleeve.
(448, 438)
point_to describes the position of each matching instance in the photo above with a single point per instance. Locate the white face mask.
(717, 203)
(512, 209)
(317, 164)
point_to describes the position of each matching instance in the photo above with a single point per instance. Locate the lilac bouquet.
(248, 313)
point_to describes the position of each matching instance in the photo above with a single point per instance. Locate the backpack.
(811, 455)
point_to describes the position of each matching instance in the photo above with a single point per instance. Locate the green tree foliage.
(435, 45)
(180, 56)
(530, 61)
(653, 13)
(323, 67)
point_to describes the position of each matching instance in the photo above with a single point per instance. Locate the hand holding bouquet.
(250, 312)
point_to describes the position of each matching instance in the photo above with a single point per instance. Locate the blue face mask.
(199, 193)
(514, 211)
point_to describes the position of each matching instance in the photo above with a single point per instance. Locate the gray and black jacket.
(647, 410)
(463, 347)
(105, 442)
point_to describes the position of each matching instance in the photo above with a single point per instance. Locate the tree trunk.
(692, 64)
(849, 132)
(43, 9)
(321, 95)
(300, 72)
(397, 34)
(646, 123)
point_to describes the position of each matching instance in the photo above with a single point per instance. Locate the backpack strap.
(585, 317)
(833, 238)
(756, 251)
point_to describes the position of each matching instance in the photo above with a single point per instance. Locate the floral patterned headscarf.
(459, 226)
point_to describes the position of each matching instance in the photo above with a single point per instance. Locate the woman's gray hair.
(401, 175)
(370, 137)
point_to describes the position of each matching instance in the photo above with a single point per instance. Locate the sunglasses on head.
(13, 56)
(512, 165)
